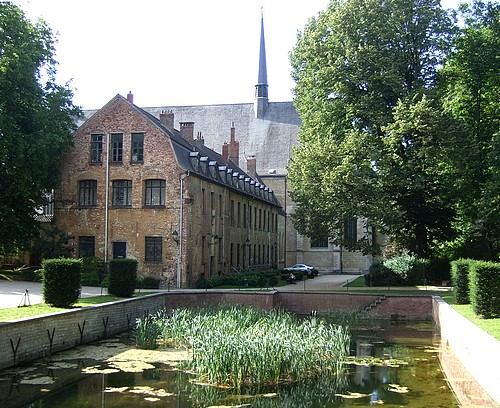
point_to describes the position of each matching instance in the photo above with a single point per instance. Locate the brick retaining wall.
(28, 339)
(31, 338)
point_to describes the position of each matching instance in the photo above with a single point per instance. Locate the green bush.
(202, 283)
(92, 271)
(122, 277)
(61, 281)
(485, 289)
(148, 282)
(460, 277)
(380, 275)
(407, 269)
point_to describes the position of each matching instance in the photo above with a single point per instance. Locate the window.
(319, 242)
(137, 147)
(122, 193)
(117, 147)
(154, 247)
(86, 246)
(96, 148)
(351, 229)
(88, 193)
(155, 193)
(232, 214)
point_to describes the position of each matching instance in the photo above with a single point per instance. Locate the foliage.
(93, 269)
(147, 332)
(148, 282)
(407, 268)
(471, 96)
(485, 288)
(122, 277)
(365, 74)
(36, 122)
(240, 346)
(260, 279)
(61, 281)
(380, 275)
(460, 274)
(52, 242)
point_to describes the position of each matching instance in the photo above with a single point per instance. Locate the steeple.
(261, 97)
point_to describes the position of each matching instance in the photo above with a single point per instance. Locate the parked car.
(309, 270)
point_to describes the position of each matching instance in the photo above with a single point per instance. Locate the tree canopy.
(36, 122)
(377, 141)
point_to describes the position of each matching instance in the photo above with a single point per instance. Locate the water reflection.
(395, 365)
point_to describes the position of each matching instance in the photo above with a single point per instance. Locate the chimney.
(252, 166)
(234, 147)
(225, 153)
(130, 97)
(199, 139)
(167, 119)
(187, 131)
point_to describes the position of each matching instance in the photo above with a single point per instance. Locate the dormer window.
(204, 165)
(194, 158)
(212, 168)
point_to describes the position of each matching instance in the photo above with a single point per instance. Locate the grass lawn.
(13, 313)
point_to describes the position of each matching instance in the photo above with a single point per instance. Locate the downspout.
(106, 205)
(181, 226)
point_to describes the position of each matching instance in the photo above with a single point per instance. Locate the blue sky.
(168, 52)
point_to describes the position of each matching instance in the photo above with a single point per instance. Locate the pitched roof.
(204, 162)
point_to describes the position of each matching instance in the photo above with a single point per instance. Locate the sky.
(173, 52)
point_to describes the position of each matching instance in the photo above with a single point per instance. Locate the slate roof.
(269, 139)
(206, 163)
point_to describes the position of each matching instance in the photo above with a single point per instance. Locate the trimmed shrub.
(460, 279)
(485, 289)
(61, 281)
(148, 282)
(92, 271)
(122, 277)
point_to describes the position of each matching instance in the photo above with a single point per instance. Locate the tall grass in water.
(238, 346)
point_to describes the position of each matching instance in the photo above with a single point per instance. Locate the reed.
(240, 346)
(147, 332)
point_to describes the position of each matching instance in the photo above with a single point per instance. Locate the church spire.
(261, 97)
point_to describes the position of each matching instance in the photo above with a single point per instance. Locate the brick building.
(267, 132)
(133, 186)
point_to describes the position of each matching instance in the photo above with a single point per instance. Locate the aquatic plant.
(239, 346)
(147, 332)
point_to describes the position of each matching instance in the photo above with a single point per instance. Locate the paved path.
(14, 293)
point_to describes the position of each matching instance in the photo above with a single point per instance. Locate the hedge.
(61, 281)
(485, 288)
(92, 271)
(460, 277)
(122, 277)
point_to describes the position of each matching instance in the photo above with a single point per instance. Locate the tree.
(472, 97)
(36, 123)
(360, 67)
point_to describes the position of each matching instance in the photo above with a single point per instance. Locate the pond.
(392, 364)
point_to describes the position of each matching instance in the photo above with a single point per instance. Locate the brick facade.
(143, 206)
